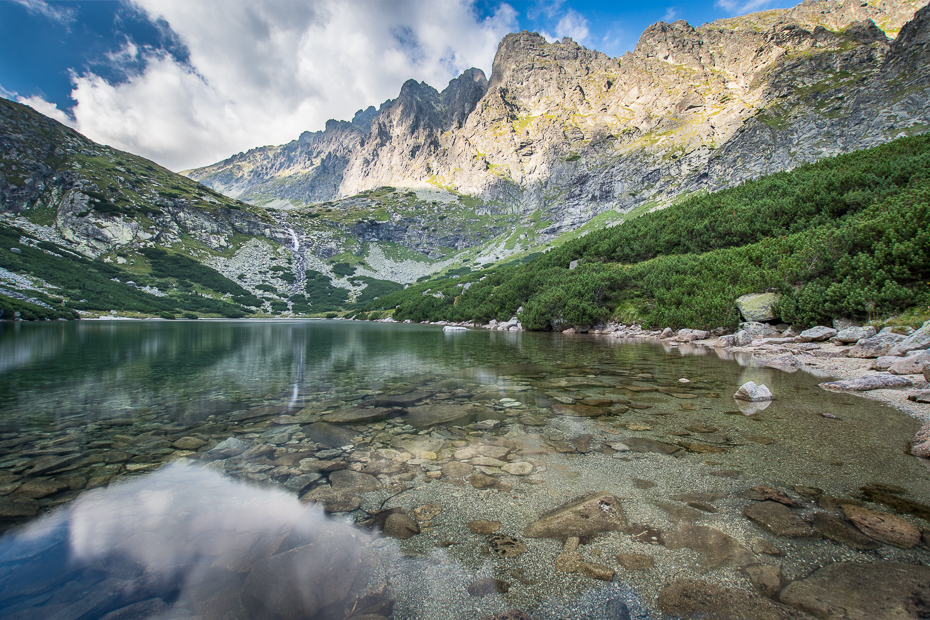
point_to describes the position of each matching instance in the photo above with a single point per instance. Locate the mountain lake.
(335, 469)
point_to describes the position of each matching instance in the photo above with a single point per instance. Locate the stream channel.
(331, 469)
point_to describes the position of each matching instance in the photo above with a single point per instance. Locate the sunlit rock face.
(572, 132)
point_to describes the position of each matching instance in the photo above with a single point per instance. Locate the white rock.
(753, 393)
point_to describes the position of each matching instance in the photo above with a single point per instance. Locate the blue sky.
(190, 82)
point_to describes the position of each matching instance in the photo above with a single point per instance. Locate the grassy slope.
(842, 237)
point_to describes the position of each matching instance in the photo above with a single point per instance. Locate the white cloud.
(548, 9)
(262, 71)
(51, 110)
(670, 14)
(56, 12)
(573, 25)
(738, 7)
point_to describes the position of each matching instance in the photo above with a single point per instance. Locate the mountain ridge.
(574, 133)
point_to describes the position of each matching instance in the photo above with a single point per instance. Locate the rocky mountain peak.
(364, 117)
(462, 95)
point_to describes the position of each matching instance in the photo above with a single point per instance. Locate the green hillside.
(844, 237)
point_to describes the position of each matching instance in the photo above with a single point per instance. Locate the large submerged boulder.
(854, 590)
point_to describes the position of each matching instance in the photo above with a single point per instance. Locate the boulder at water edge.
(876, 346)
(910, 365)
(920, 446)
(918, 340)
(753, 393)
(757, 306)
(877, 381)
(816, 334)
(850, 335)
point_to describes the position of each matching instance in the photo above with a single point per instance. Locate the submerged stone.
(578, 411)
(302, 581)
(358, 415)
(443, 414)
(642, 444)
(482, 526)
(716, 548)
(853, 590)
(694, 598)
(505, 546)
(883, 527)
(635, 561)
(584, 518)
(778, 520)
(842, 532)
(401, 526)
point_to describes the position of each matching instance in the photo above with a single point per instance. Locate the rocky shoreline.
(886, 366)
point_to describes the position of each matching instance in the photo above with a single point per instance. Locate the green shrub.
(343, 269)
(322, 295)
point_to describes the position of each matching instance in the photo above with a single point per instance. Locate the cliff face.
(570, 132)
(96, 199)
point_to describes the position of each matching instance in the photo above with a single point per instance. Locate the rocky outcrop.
(572, 132)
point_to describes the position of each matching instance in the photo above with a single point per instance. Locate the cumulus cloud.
(56, 12)
(262, 71)
(573, 24)
(741, 7)
(42, 106)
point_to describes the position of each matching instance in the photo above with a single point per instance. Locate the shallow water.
(253, 415)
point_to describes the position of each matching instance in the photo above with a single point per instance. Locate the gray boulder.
(910, 365)
(742, 338)
(752, 392)
(854, 334)
(916, 341)
(878, 381)
(876, 346)
(757, 306)
(816, 334)
(884, 362)
(724, 341)
(690, 335)
(759, 330)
